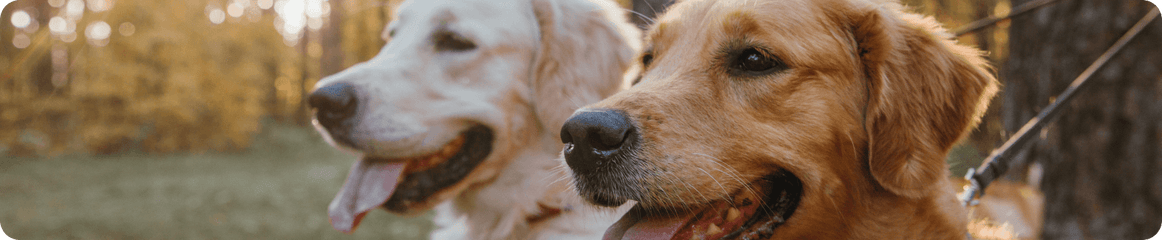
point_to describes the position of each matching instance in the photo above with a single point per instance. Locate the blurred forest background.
(186, 119)
(105, 76)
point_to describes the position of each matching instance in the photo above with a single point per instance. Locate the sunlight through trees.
(104, 76)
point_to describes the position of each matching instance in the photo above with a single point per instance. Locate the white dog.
(465, 103)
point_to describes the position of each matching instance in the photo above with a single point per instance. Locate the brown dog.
(793, 119)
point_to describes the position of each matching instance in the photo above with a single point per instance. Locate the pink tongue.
(638, 225)
(368, 186)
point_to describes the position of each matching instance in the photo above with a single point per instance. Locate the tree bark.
(1103, 155)
(331, 37)
(42, 71)
(302, 113)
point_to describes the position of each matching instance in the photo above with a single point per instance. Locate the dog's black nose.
(334, 103)
(594, 138)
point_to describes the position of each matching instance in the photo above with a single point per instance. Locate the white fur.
(536, 61)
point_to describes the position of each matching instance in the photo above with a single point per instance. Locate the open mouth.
(750, 214)
(397, 184)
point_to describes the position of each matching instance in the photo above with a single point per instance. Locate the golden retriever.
(463, 107)
(788, 119)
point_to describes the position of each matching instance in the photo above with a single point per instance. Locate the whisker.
(648, 19)
(842, 214)
(654, 11)
(721, 187)
(689, 187)
(559, 172)
(733, 175)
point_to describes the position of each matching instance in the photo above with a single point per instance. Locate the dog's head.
(461, 88)
(781, 119)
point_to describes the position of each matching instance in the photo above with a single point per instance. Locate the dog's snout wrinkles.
(594, 137)
(334, 102)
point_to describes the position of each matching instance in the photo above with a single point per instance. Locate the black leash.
(998, 162)
(983, 23)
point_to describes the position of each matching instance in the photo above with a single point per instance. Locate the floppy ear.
(925, 93)
(585, 50)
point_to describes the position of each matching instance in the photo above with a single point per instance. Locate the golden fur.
(1008, 210)
(870, 103)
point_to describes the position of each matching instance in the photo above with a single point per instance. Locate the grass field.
(279, 189)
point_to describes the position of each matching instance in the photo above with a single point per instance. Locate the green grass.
(279, 189)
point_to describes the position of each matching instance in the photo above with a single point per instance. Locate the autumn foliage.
(167, 76)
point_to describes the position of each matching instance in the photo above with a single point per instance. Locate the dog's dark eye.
(752, 62)
(449, 41)
(647, 59)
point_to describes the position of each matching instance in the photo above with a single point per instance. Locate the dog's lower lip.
(420, 184)
(738, 217)
(778, 207)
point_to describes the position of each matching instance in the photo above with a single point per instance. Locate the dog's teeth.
(732, 214)
(712, 230)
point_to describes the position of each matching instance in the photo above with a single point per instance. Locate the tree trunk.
(302, 109)
(331, 38)
(1103, 155)
(42, 71)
